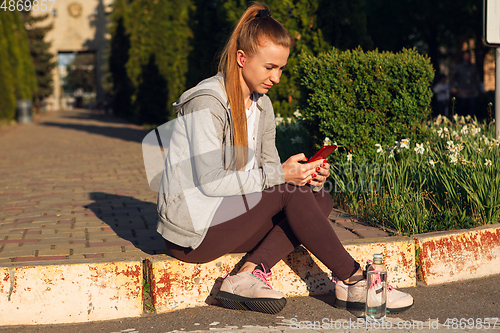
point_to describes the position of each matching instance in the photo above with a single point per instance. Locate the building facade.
(80, 27)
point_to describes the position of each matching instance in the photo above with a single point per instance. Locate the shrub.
(7, 95)
(17, 73)
(159, 46)
(360, 99)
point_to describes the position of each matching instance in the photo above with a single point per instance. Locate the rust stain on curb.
(67, 293)
(459, 255)
(177, 285)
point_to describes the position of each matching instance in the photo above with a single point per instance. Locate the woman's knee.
(324, 200)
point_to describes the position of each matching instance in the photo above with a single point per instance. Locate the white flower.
(453, 159)
(297, 139)
(460, 147)
(450, 144)
(327, 142)
(432, 163)
(462, 120)
(439, 120)
(297, 114)
(380, 150)
(464, 130)
(455, 117)
(475, 131)
(480, 150)
(405, 143)
(349, 157)
(397, 147)
(391, 151)
(278, 119)
(488, 162)
(454, 134)
(289, 120)
(443, 132)
(468, 117)
(419, 148)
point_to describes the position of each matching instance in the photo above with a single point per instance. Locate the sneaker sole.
(361, 306)
(349, 305)
(398, 310)
(265, 305)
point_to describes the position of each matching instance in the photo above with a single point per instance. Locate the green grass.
(452, 181)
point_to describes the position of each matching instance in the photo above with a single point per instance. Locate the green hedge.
(7, 96)
(359, 99)
(148, 57)
(159, 49)
(17, 74)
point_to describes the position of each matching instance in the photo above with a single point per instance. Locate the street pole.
(497, 93)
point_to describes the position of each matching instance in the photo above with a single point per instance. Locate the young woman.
(224, 189)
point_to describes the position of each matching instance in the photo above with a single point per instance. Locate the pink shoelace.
(262, 275)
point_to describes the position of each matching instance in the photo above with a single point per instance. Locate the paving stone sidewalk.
(73, 186)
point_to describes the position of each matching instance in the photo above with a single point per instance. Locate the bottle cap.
(378, 257)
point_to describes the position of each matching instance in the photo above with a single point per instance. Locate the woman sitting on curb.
(224, 189)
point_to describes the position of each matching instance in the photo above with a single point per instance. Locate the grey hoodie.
(196, 176)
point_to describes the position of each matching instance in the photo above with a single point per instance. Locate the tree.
(151, 94)
(7, 93)
(43, 60)
(437, 29)
(119, 48)
(210, 28)
(16, 67)
(159, 28)
(24, 80)
(81, 73)
(343, 24)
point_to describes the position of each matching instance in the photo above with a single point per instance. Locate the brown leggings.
(285, 217)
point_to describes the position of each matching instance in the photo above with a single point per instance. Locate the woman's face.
(263, 69)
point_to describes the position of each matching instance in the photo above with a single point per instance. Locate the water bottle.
(376, 290)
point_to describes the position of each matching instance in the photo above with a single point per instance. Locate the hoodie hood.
(213, 86)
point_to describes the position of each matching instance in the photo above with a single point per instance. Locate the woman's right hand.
(301, 174)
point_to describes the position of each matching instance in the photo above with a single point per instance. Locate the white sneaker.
(353, 296)
(251, 291)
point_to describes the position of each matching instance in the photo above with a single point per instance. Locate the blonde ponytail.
(246, 36)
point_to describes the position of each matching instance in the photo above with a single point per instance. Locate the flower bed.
(450, 181)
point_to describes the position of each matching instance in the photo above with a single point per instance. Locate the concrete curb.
(458, 255)
(58, 292)
(61, 292)
(177, 285)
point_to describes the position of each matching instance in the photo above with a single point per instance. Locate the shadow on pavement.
(135, 221)
(119, 128)
(131, 219)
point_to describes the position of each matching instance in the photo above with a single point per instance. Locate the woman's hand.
(314, 173)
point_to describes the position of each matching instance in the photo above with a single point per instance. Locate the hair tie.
(263, 13)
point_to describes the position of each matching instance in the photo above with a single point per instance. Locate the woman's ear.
(240, 58)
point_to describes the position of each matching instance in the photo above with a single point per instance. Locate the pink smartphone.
(323, 153)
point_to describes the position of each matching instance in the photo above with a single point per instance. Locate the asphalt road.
(471, 301)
